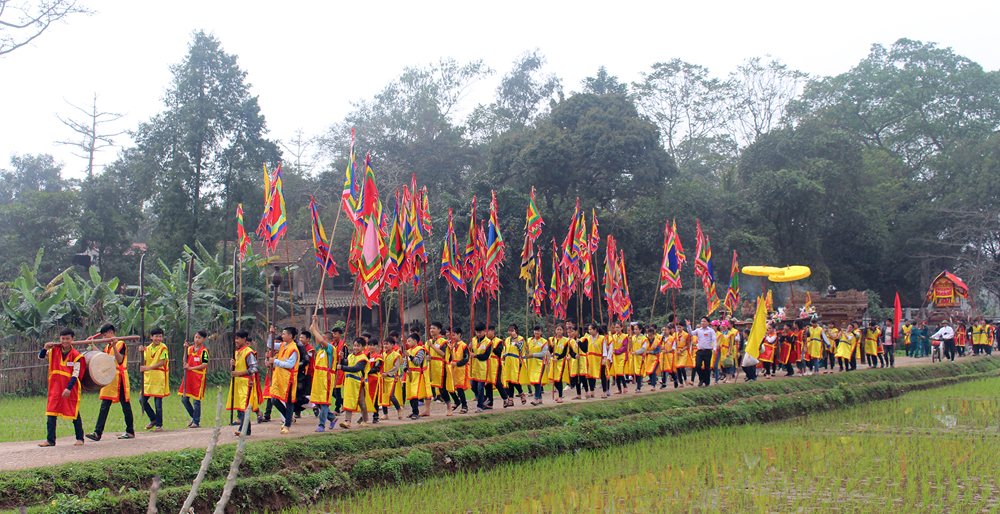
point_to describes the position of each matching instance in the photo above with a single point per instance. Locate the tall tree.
(759, 94)
(523, 94)
(604, 84)
(92, 137)
(207, 149)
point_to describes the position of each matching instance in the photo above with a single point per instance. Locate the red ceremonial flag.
(896, 318)
(320, 244)
(451, 264)
(371, 264)
(241, 233)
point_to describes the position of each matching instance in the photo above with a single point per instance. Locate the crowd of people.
(323, 372)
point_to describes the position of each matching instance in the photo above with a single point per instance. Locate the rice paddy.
(928, 451)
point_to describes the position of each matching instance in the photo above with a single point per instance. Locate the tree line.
(876, 178)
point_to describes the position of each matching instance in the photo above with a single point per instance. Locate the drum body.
(100, 370)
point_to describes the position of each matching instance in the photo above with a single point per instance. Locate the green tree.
(206, 150)
(604, 84)
(522, 96)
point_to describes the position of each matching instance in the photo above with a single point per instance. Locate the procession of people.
(348, 384)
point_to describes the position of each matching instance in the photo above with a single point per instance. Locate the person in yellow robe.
(559, 362)
(685, 354)
(814, 346)
(66, 365)
(155, 378)
(728, 346)
(437, 348)
(494, 367)
(536, 350)
(871, 341)
(619, 360)
(457, 382)
(667, 356)
(118, 390)
(244, 386)
(284, 377)
(373, 381)
(980, 341)
(844, 341)
(418, 389)
(511, 374)
(578, 350)
(637, 346)
(481, 349)
(355, 367)
(591, 346)
(606, 367)
(391, 392)
(651, 366)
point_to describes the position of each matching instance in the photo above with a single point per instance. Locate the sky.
(308, 60)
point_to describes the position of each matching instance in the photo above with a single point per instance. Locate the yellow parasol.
(761, 271)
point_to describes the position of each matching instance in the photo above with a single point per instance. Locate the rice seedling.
(928, 451)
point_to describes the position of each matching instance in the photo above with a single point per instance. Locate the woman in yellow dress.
(511, 372)
(685, 354)
(619, 360)
(579, 348)
(536, 349)
(652, 362)
(355, 367)
(637, 346)
(417, 387)
(595, 345)
(871, 335)
(844, 340)
(458, 372)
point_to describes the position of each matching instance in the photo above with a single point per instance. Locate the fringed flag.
(625, 309)
(533, 220)
(414, 235)
(469, 256)
(556, 287)
(610, 275)
(451, 263)
(395, 256)
(538, 298)
(320, 244)
(595, 237)
(571, 250)
(276, 221)
(371, 263)
(703, 252)
(263, 229)
(586, 271)
(241, 233)
(481, 281)
(527, 261)
(350, 197)
(494, 249)
(673, 257)
(425, 216)
(733, 294)
(703, 268)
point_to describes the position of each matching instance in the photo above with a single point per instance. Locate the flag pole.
(651, 311)
(329, 256)
(291, 292)
(427, 308)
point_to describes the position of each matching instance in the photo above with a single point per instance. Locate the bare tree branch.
(92, 139)
(23, 21)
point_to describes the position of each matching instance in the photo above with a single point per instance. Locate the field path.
(27, 454)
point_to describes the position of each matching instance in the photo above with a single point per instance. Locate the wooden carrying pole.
(107, 340)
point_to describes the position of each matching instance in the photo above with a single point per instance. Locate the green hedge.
(279, 472)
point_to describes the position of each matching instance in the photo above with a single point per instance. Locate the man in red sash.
(66, 366)
(195, 367)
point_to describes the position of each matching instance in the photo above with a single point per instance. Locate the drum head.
(100, 368)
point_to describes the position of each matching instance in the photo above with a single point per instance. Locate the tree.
(109, 223)
(604, 84)
(92, 140)
(21, 21)
(759, 94)
(687, 104)
(206, 151)
(913, 99)
(39, 211)
(520, 98)
(594, 147)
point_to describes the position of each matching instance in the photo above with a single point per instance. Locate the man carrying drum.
(118, 390)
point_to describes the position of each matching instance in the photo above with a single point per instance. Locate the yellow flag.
(757, 331)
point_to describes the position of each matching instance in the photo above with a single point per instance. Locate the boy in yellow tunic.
(392, 383)
(871, 335)
(458, 371)
(437, 347)
(324, 376)
(355, 366)
(284, 377)
(668, 355)
(579, 348)
(417, 387)
(636, 364)
(494, 366)
(814, 346)
(685, 354)
(980, 343)
(155, 378)
(728, 347)
(844, 340)
(592, 352)
(373, 381)
(118, 390)
(244, 395)
(535, 352)
(511, 371)
(481, 350)
(66, 365)
(651, 366)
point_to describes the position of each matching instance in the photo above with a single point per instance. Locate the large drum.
(100, 370)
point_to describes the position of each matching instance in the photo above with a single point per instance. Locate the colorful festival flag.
(533, 220)
(469, 256)
(263, 229)
(349, 198)
(276, 221)
(395, 257)
(494, 248)
(625, 309)
(538, 298)
(451, 264)
(733, 294)
(320, 244)
(371, 263)
(242, 241)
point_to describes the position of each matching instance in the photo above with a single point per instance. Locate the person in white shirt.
(946, 334)
(705, 344)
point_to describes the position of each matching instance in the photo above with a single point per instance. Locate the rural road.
(27, 454)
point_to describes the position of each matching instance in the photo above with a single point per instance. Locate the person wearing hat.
(947, 335)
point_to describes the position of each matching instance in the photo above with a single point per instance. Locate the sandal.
(463, 411)
(559, 400)
(523, 399)
(345, 424)
(79, 442)
(126, 435)
(285, 430)
(45, 444)
(478, 411)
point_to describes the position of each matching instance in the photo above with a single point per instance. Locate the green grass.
(23, 419)
(927, 451)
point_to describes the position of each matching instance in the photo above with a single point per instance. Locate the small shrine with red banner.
(946, 293)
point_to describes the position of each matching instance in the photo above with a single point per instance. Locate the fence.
(23, 373)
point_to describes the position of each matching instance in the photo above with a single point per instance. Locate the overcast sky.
(307, 60)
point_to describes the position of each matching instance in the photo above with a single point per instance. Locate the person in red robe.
(66, 366)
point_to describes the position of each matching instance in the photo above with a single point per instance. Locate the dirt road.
(27, 454)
